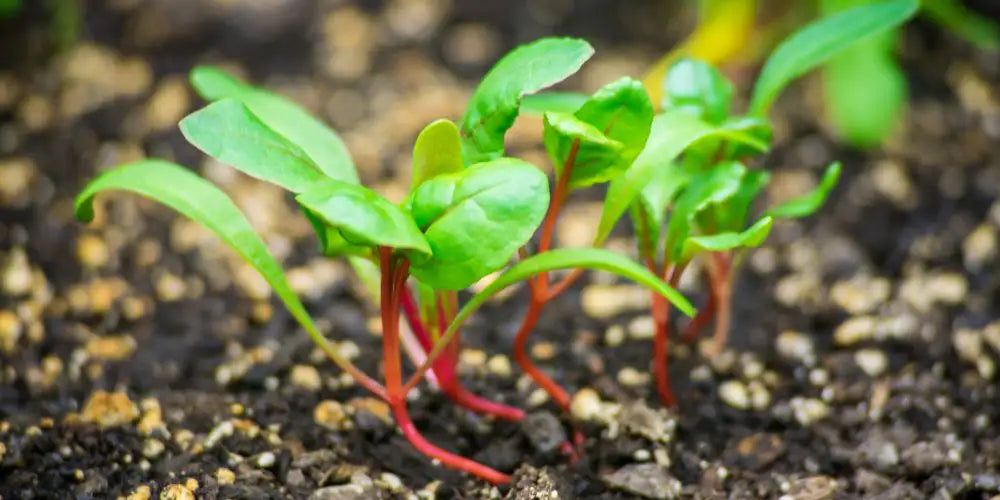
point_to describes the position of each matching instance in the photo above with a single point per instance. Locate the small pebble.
(630, 377)
(170, 287)
(152, 448)
(109, 409)
(968, 344)
(499, 365)
(176, 492)
(331, 415)
(10, 331)
(854, 330)
(860, 294)
(15, 276)
(734, 393)
(544, 351)
(647, 480)
(808, 410)
(605, 301)
(142, 492)
(872, 361)
(306, 377)
(92, 251)
(641, 328)
(225, 476)
(980, 247)
(537, 398)
(614, 335)
(796, 346)
(266, 460)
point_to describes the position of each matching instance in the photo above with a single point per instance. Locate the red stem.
(556, 392)
(661, 339)
(723, 287)
(446, 458)
(704, 316)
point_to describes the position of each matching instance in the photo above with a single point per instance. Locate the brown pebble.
(331, 415)
(109, 409)
(92, 251)
(374, 406)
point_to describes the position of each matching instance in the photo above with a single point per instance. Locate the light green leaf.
(710, 187)
(732, 215)
(438, 150)
(562, 102)
(814, 44)
(227, 131)
(562, 258)
(595, 157)
(654, 199)
(286, 118)
(806, 204)
(494, 209)
(623, 112)
(753, 236)
(364, 218)
(202, 202)
(865, 119)
(525, 70)
(698, 88)
(965, 22)
(670, 135)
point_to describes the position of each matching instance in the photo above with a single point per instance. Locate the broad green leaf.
(431, 199)
(227, 131)
(363, 217)
(753, 126)
(321, 143)
(732, 215)
(438, 150)
(814, 44)
(331, 241)
(525, 70)
(698, 88)
(9, 8)
(202, 202)
(710, 187)
(622, 111)
(562, 258)
(494, 210)
(753, 236)
(975, 28)
(595, 157)
(670, 135)
(563, 102)
(806, 204)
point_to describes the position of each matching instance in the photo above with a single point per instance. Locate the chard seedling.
(469, 210)
(688, 190)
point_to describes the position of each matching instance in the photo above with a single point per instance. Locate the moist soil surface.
(139, 357)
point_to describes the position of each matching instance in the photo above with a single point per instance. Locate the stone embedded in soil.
(92, 251)
(586, 406)
(968, 344)
(15, 275)
(854, 330)
(109, 409)
(306, 377)
(980, 247)
(645, 480)
(734, 393)
(111, 347)
(331, 415)
(342, 492)
(365, 407)
(11, 330)
(605, 301)
(638, 419)
(18, 174)
(499, 365)
(544, 431)
(759, 450)
(808, 411)
(142, 492)
(860, 294)
(924, 457)
(177, 492)
(796, 346)
(878, 452)
(873, 362)
(225, 476)
(812, 488)
(630, 377)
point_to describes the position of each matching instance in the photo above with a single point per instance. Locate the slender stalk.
(661, 338)
(704, 316)
(393, 284)
(723, 286)
(556, 392)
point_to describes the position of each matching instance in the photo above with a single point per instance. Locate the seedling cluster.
(472, 211)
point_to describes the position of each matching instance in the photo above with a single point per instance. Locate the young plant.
(468, 212)
(686, 188)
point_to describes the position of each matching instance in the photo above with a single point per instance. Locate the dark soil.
(136, 358)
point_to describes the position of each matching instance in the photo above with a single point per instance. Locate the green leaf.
(731, 215)
(595, 157)
(562, 258)
(438, 150)
(227, 131)
(698, 88)
(753, 236)
(671, 134)
(321, 143)
(976, 29)
(494, 209)
(623, 112)
(814, 44)
(865, 119)
(649, 214)
(202, 202)
(363, 218)
(563, 102)
(710, 187)
(525, 70)
(806, 204)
